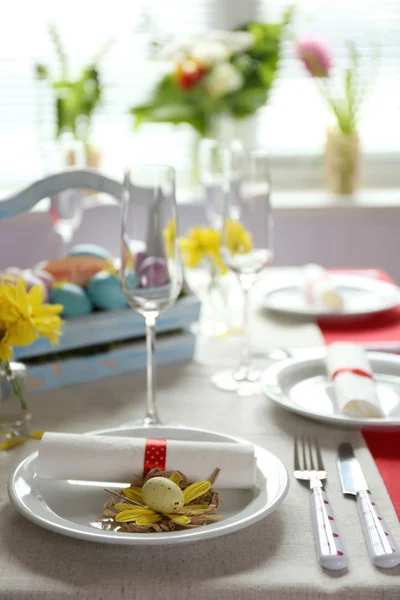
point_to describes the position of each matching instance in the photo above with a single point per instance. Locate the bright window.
(291, 125)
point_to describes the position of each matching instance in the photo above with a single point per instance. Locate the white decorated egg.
(162, 495)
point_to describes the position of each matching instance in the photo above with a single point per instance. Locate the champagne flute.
(246, 247)
(151, 278)
(217, 162)
(66, 208)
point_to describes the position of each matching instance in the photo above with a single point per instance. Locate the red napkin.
(383, 445)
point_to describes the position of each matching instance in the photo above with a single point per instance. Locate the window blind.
(292, 124)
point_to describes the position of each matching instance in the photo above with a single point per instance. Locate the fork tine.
(310, 451)
(319, 455)
(303, 444)
(296, 454)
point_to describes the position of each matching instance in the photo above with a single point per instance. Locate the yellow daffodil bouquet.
(203, 245)
(24, 317)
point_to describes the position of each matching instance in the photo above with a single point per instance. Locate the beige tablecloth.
(273, 560)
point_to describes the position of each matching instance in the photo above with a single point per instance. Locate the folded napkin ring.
(155, 455)
(360, 372)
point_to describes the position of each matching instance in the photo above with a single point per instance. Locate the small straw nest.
(198, 518)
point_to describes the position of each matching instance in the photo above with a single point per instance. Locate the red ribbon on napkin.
(383, 445)
(360, 372)
(155, 455)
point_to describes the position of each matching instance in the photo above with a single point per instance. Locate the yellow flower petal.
(37, 435)
(195, 490)
(131, 515)
(123, 506)
(133, 493)
(143, 521)
(195, 507)
(175, 477)
(9, 444)
(178, 518)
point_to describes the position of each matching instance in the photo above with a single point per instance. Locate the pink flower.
(315, 56)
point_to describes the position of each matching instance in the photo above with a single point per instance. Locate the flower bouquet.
(220, 73)
(207, 274)
(23, 318)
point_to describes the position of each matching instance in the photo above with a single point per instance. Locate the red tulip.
(315, 56)
(189, 73)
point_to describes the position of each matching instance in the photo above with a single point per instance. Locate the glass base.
(14, 427)
(245, 381)
(146, 422)
(209, 328)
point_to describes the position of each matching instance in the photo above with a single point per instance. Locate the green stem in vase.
(15, 384)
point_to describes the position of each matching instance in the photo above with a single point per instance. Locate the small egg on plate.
(162, 495)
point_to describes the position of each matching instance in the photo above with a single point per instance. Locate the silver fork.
(309, 466)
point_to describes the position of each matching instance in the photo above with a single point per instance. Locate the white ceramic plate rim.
(390, 295)
(37, 512)
(271, 391)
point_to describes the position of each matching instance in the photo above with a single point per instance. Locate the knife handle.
(382, 547)
(331, 552)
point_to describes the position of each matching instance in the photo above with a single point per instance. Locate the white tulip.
(223, 79)
(209, 52)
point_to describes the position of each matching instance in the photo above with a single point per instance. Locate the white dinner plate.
(71, 507)
(301, 385)
(362, 297)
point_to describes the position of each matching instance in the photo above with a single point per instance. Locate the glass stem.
(245, 349)
(151, 413)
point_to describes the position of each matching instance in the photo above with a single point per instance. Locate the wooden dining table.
(273, 559)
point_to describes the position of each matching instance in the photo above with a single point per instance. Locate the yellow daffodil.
(237, 239)
(23, 319)
(170, 238)
(143, 516)
(202, 243)
(45, 317)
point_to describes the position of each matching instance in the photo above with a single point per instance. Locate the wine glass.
(246, 247)
(219, 166)
(66, 208)
(151, 278)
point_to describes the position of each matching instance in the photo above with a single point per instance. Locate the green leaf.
(41, 72)
(61, 55)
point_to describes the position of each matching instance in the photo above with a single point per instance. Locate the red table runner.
(383, 445)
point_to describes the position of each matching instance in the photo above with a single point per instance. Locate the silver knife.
(382, 547)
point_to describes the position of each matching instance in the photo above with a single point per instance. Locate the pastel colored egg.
(153, 272)
(139, 258)
(162, 495)
(89, 250)
(104, 291)
(46, 278)
(73, 298)
(75, 269)
(13, 271)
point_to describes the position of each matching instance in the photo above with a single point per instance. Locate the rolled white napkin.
(356, 394)
(117, 459)
(319, 288)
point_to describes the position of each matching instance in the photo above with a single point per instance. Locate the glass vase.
(212, 289)
(14, 416)
(342, 162)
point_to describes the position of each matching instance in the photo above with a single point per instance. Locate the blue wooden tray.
(127, 358)
(112, 326)
(108, 343)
